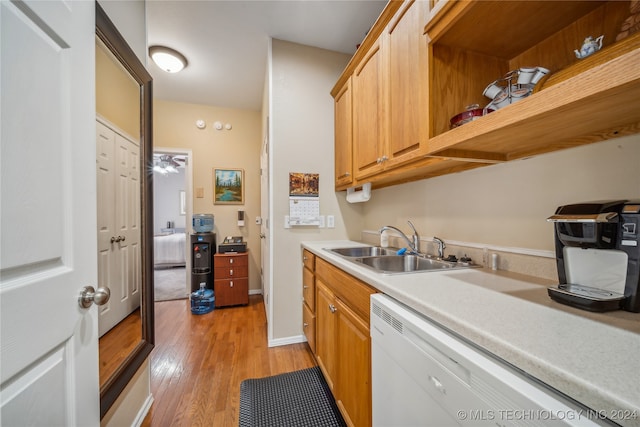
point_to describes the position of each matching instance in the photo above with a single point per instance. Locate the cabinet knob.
(305, 325)
(305, 287)
(231, 261)
(231, 284)
(230, 272)
(332, 308)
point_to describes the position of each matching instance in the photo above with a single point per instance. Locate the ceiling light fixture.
(165, 164)
(168, 59)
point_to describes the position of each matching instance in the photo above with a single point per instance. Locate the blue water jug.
(202, 300)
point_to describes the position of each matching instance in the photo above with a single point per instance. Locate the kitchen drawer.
(231, 260)
(309, 327)
(309, 260)
(231, 291)
(352, 291)
(309, 289)
(231, 272)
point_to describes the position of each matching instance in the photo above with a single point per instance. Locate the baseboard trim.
(144, 410)
(286, 341)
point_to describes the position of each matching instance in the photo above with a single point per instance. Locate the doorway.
(172, 183)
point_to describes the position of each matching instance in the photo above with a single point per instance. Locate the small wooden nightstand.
(231, 278)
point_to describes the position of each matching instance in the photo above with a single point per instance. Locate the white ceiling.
(226, 42)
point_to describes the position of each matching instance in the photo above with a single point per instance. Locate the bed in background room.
(169, 250)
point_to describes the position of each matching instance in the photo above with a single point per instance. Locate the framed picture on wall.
(228, 186)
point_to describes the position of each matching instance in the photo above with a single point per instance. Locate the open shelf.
(474, 43)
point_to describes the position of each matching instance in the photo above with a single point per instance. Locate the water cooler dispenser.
(203, 248)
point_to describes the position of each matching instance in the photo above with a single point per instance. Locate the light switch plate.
(200, 193)
(331, 221)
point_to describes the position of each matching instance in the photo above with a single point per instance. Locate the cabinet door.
(309, 327)
(326, 322)
(343, 137)
(231, 291)
(354, 367)
(408, 84)
(369, 113)
(309, 289)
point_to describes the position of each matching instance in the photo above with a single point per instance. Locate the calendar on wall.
(304, 199)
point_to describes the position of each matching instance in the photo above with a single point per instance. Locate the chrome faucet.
(441, 246)
(414, 242)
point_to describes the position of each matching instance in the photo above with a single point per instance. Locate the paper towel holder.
(359, 194)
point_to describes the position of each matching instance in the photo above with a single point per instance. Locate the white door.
(118, 183)
(49, 345)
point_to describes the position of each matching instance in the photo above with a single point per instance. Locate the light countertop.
(593, 358)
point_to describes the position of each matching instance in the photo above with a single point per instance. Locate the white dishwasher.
(424, 376)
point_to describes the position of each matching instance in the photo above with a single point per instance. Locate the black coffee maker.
(598, 255)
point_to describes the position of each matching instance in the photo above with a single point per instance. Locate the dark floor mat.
(295, 399)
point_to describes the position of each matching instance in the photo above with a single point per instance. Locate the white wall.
(301, 124)
(166, 200)
(130, 18)
(174, 125)
(507, 204)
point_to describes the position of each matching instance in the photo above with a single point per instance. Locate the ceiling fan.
(167, 163)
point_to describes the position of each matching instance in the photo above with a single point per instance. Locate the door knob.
(89, 295)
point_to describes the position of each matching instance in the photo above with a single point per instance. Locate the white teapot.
(589, 47)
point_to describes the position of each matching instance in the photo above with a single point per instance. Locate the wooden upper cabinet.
(343, 137)
(389, 99)
(369, 117)
(425, 61)
(407, 82)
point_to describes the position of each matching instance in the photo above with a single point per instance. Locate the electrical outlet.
(331, 221)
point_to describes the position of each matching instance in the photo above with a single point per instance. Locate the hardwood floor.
(117, 344)
(199, 362)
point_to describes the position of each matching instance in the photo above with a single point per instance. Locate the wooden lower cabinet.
(326, 333)
(343, 344)
(231, 279)
(354, 367)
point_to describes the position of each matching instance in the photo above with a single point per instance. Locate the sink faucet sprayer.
(414, 242)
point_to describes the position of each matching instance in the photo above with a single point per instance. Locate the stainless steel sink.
(365, 251)
(405, 263)
(387, 261)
